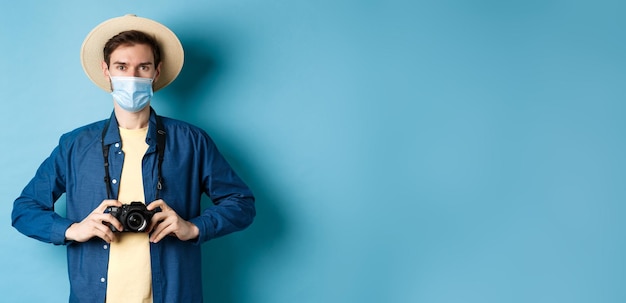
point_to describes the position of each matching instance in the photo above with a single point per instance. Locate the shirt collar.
(112, 134)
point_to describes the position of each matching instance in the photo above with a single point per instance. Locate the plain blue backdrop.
(401, 151)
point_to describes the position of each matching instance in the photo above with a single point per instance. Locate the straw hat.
(91, 54)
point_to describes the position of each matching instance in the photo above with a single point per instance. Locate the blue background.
(401, 151)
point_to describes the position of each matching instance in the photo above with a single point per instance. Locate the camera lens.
(136, 222)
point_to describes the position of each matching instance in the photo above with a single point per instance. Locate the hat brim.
(91, 55)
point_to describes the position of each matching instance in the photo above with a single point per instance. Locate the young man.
(144, 255)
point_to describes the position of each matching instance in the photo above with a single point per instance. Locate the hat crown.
(172, 54)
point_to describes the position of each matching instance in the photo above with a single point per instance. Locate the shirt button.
(114, 181)
(102, 280)
(117, 145)
(105, 246)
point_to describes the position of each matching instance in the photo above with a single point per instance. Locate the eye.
(120, 67)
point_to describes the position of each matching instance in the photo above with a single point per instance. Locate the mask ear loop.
(109, 76)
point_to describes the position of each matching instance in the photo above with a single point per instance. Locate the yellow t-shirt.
(130, 273)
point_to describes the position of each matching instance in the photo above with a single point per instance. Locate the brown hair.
(131, 38)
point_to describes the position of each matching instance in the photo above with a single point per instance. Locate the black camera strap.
(161, 134)
(161, 152)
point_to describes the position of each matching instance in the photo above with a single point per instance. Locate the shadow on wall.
(227, 261)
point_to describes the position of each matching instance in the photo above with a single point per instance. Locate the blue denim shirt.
(192, 166)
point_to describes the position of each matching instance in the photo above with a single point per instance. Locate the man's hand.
(167, 222)
(95, 225)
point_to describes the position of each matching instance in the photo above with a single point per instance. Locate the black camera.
(134, 216)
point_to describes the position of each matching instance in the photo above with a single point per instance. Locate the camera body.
(135, 217)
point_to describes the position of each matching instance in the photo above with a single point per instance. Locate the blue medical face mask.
(131, 93)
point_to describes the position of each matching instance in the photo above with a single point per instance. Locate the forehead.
(132, 54)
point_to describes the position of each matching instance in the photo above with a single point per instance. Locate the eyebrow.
(140, 64)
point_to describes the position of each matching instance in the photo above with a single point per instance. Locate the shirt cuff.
(57, 234)
(206, 231)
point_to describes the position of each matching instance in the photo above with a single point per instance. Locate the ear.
(105, 72)
(158, 72)
(105, 69)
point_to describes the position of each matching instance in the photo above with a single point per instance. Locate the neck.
(130, 120)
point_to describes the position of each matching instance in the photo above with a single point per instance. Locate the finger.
(108, 219)
(94, 229)
(104, 232)
(158, 203)
(105, 204)
(155, 237)
(107, 236)
(160, 216)
(153, 224)
(161, 231)
(156, 220)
